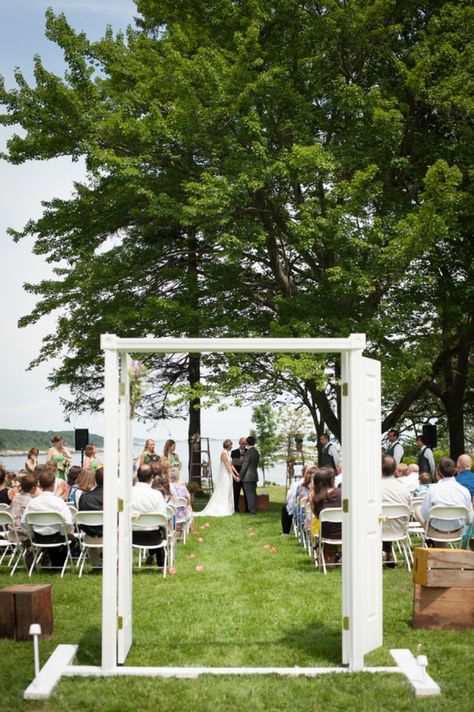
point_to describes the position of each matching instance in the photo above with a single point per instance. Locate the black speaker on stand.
(430, 435)
(81, 439)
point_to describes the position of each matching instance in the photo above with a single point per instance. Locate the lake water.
(274, 474)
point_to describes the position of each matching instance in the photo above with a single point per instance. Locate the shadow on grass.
(90, 646)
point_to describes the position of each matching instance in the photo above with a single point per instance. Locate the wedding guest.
(144, 500)
(288, 509)
(93, 500)
(70, 491)
(148, 453)
(393, 492)
(85, 482)
(48, 502)
(424, 478)
(31, 460)
(170, 454)
(60, 455)
(6, 493)
(90, 460)
(181, 491)
(446, 491)
(464, 474)
(20, 501)
(327, 496)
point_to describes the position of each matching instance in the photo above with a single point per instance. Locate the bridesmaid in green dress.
(170, 454)
(148, 453)
(60, 455)
(90, 460)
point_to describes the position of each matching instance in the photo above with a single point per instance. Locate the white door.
(362, 547)
(124, 603)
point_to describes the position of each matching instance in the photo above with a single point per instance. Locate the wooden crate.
(263, 503)
(22, 605)
(443, 608)
(444, 568)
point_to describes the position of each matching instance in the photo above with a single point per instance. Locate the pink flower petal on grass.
(200, 539)
(199, 568)
(251, 533)
(171, 570)
(274, 550)
(266, 546)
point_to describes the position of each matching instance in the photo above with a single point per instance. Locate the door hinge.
(345, 623)
(345, 506)
(120, 504)
(345, 389)
(119, 623)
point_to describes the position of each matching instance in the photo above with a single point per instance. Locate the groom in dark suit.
(237, 457)
(249, 474)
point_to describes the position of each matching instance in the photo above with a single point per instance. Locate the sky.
(25, 402)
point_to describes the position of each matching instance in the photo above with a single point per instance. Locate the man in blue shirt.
(465, 476)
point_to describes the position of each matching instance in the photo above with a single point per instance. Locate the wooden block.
(263, 503)
(443, 608)
(25, 604)
(444, 568)
(7, 614)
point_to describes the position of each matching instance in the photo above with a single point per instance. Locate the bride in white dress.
(221, 503)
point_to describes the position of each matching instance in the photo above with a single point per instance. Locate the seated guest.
(401, 469)
(18, 505)
(180, 490)
(85, 482)
(288, 508)
(146, 500)
(48, 502)
(424, 479)
(327, 495)
(446, 491)
(93, 500)
(161, 482)
(411, 478)
(393, 492)
(6, 493)
(70, 490)
(465, 476)
(302, 491)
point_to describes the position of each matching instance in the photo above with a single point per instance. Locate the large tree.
(281, 168)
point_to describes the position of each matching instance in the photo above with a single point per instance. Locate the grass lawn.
(248, 607)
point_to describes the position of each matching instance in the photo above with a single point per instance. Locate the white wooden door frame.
(354, 616)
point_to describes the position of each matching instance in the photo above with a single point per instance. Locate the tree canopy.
(283, 168)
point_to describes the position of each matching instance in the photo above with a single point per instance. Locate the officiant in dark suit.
(249, 474)
(237, 457)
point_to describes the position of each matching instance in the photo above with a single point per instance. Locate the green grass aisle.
(248, 606)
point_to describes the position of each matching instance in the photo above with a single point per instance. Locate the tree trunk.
(194, 424)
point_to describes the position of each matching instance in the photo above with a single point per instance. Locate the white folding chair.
(151, 521)
(10, 545)
(448, 513)
(397, 516)
(330, 514)
(48, 519)
(171, 518)
(415, 529)
(4, 507)
(90, 518)
(182, 523)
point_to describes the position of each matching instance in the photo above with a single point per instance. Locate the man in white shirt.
(330, 456)
(146, 500)
(395, 449)
(47, 501)
(446, 491)
(393, 492)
